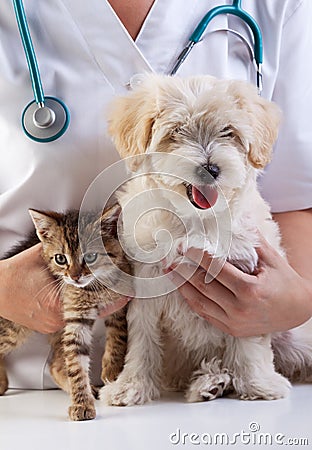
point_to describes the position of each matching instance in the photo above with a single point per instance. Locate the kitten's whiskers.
(54, 285)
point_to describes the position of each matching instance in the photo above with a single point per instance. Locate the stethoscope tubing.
(232, 9)
(29, 52)
(47, 127)
(45, 118)
(236, 10)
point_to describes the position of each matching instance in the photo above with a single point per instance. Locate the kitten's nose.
(76, 277)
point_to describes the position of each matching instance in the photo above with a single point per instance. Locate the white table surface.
(33, 420)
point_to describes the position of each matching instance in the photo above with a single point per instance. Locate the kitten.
(80, 251)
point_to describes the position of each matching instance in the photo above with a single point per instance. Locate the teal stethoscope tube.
(47, 118)
(236, 10)
(44, 119)
(29, 51)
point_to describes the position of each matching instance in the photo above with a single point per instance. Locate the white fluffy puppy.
(204, 141)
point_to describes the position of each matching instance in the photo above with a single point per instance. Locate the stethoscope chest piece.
(46, 122)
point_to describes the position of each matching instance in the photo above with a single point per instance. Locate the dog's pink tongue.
(204, 196)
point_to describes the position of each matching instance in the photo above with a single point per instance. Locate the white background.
(37, 420)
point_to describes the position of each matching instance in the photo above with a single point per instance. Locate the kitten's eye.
(90, 258)
(61, 260)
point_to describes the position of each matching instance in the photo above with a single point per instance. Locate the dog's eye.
(176, 131)
(227, 132)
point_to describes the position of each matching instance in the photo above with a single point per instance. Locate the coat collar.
(113, 50)
(161, 39)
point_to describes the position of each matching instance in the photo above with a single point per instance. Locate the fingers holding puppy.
(212, 300)
(193, 287)
(227, 274)
(228, 300)
(239, 303)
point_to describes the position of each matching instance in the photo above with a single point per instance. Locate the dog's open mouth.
(203, 196)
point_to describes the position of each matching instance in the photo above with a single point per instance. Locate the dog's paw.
(128, 393)
(208, 387)
(271, 388)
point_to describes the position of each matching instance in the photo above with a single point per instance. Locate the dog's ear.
(264, 118)
(131, 119)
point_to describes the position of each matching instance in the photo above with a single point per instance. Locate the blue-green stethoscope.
(235, 9)
(46, 118)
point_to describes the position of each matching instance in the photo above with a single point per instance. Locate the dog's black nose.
(208, 172)
(214, 170)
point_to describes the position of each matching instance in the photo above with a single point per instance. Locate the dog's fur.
(205, 121)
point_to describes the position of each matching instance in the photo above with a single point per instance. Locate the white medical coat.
(86, 56)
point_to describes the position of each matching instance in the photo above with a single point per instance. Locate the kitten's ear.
(44, 222)
(109, 220)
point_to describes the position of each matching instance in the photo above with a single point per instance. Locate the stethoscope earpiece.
(45, 122)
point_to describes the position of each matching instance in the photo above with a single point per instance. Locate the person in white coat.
(87, 53)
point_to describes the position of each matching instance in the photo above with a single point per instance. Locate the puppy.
(196, 146)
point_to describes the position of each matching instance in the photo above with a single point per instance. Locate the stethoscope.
(235, 9)
(46, 118)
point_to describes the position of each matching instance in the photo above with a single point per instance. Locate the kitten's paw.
(270, 388)
(110, 373)
(208, 387)
(95, 391)
(81, 412)
(128, 393)
(3, 385)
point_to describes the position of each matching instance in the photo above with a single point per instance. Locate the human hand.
(276, 298)
(29, 294)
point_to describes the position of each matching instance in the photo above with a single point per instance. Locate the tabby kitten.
(72, 247)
